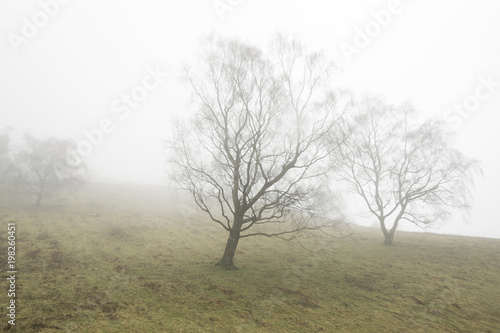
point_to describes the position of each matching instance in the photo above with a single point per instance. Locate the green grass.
(123, 259)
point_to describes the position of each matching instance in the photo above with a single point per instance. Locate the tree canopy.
(255, 152)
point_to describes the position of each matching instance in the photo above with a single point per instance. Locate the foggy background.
(72, 73)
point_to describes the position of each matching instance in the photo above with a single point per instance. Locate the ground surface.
(122, 259)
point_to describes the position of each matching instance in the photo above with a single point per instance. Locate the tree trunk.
(232, 242)
(389, 237)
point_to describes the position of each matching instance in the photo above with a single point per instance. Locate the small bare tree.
(44, 167)
(253, 156)
(404, 170)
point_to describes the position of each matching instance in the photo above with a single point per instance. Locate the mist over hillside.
(250, 166)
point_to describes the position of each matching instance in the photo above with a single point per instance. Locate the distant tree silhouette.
(44, 167)
(402, 169)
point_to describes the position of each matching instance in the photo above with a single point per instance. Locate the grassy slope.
(138, 260)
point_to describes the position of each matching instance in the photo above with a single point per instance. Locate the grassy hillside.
(123, 259)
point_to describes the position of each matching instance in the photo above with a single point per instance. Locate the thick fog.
(107, 74)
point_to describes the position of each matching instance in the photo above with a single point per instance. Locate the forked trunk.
(389, 238)
(388, 235)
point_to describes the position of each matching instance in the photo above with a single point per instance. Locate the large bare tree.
(253, 156)
(404, 169)
(45, 166)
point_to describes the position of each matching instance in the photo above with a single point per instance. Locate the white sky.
(65, 79)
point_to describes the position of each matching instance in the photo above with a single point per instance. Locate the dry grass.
(123, 259)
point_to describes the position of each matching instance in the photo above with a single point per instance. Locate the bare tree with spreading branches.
(254, 155)
(403, 169)
(44, 167)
